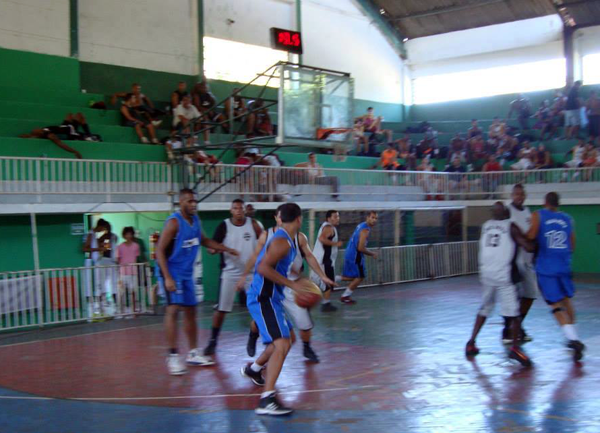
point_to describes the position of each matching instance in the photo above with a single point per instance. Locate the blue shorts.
(269, 315)
(555, 288)
(354, 268)
(184, 295)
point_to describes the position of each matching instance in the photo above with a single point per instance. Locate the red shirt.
(492, 166)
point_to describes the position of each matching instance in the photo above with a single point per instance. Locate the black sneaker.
(251, 346)
(310, 354)
(518, 355)
(578, 348)
(271, 406)
(524, 337)
(471, 349)
(328, 308)
(255, 377)
(211, 348)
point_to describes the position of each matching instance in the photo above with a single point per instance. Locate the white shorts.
(299, 316)
(574, 163)
(507, 297)
(227, 291)
(129, 282)
(528, 287)
(523, 164)
(572, 117)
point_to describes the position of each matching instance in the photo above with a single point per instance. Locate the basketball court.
(393, 362)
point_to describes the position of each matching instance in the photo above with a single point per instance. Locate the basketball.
(310, 296)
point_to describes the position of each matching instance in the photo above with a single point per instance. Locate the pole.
(299, 23)
(74, 27)
(569, 52)
(34, 241)
(200, 40)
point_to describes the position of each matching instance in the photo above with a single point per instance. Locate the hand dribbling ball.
(310, 296)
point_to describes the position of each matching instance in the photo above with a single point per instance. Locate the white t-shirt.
(522, 219)
(496, 253)
(189, 113)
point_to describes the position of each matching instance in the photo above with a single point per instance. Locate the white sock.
(348, 292)
(267, 394)
(255, 367)
(570, 332)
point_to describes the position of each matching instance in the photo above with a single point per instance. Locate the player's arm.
(324, 238)
(535, 226)
(257, 229)
(362, 244)
(218, 236)
(312, 261)
(262, 240)
(217, 246)
(520, 239)
(278, 249)
(164, 241)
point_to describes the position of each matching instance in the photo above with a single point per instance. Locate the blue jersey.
(263, 288)
(185, 247)
(352, 252)
(554, 243)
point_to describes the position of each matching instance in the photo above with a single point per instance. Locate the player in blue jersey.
(175, 255)
(265, 303)
(555, 236)
(354, 259)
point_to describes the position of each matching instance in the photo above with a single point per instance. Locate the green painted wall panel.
(57, 246)
(16, 253)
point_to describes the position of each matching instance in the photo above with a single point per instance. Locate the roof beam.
(389, 31)
(445, 10)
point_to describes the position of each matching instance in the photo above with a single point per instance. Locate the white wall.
(150, 34)
(587, 40)
(41, 26)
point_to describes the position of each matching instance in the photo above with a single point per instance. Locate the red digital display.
(286, 40)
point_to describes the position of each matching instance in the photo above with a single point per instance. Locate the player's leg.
(252, 338)
(227, 291)
(186, 293)
(508, 298)
(175, 365)
(487, 306)
(326, 305)
(529, 292)
(301, 319)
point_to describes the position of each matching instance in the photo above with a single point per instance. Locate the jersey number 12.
(556, 239)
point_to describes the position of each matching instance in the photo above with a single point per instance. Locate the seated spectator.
(178, 94)
(362, 142)
(315, 174)
(141, 104)
(477, 148)
(429, 182)
(474, 130)
(206, 104)
(259, 122)
(578, 152)
(389, 158)
(573, 112)
(247, 158)
(185, 116)
(407, 153)
(427, 148)
(491, 180)
(543, 158)
(431, 135)
(590, 158)
(238, 105)
(497, 129)
(131, 117)
(593, 112)
(372, 125)
(458, 148)
(508, 148)
(522, 107)
(526, 157)
(458, 180)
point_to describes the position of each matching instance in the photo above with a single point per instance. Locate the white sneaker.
(144, 140)
(194, 358)
(155, 141)
(156, 122)
(175, 365)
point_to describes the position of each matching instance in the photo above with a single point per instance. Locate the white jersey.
(326, 254)
(243, 239)
(522, 219)
(496, 253)
(578, 153)
(298, 263)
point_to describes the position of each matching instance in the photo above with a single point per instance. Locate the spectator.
(206, 103)
(457, 180)
(141, 104)
(185, 116)
(497, 129)
(474, 130)
(431, 135)
(259, 122)
(389, 158)
(526, 157)
(458, 148)
(406, 153)
(237, 103)
(178, 94)
(315, 174)
(543, 158)
(578, 153)
(68, 130)
(593, 107)
(522, 107)
(372, 125)
(127, 258)
(546, 122)
(590, 158)
(131, 117)
(491, 178)
(428, 181)
(508, 148)
(427, 148)
(362, 142)
(572, 112)
(477, 148)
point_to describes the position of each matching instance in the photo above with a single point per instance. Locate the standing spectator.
(526, 157)
(522, 107)
(372, 125)
(184, 119)
(131, 118)
(474, 130)
(593, 107)
(572, 112)
(259, 121)
(237, 103)
(129, 277)
(178, 94)
(497, 128)
(206, 103)
(491, 178)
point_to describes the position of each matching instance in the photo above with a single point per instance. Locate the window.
(591, 69)
(526, 77)
(239, 62)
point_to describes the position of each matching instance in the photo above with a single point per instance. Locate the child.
(127, 255)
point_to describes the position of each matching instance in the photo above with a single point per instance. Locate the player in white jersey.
(325, 251)
(299, 316)
(528, 287)
(497, 273)
(241, 234)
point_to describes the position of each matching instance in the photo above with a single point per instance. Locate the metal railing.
(401, 264)
(66, 295)
(109, 180)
